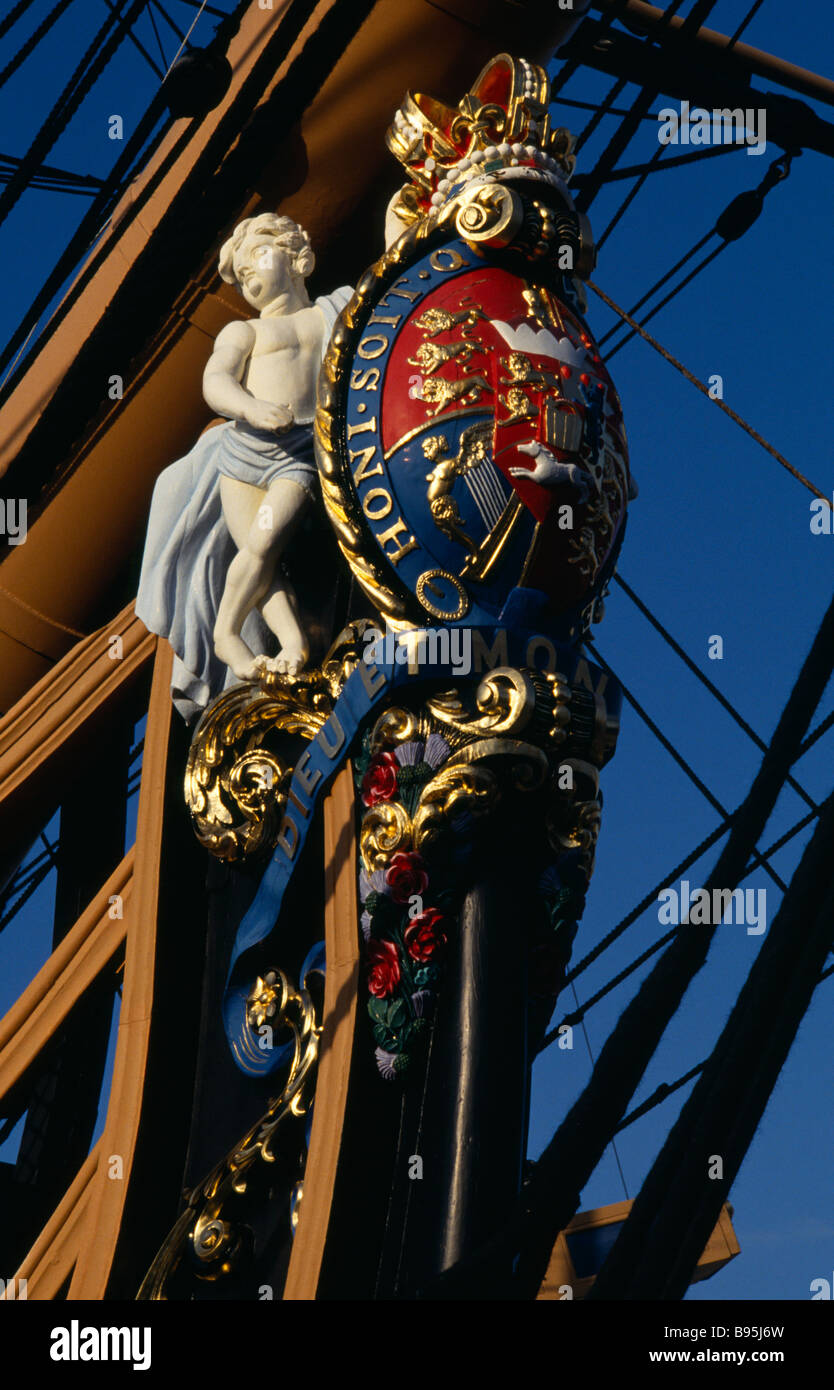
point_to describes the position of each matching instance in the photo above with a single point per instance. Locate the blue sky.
(719, 543)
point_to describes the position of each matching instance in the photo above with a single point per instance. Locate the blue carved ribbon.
(363, 692)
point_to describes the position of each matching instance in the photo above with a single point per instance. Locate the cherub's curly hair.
(286, 234)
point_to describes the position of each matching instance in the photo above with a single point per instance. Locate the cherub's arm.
(221, 381)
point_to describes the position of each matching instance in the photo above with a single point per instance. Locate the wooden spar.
(107, 1198)
(51, 1260)
(741, 58)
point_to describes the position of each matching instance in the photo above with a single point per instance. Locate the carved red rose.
(383, 967)
(406, 875)
(424, 935)
(380, 781)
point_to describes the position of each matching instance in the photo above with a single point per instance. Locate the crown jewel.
(501, 129)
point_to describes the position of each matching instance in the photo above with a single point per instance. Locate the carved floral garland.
(407, 910)
(410, 905)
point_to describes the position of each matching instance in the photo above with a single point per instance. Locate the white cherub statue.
(222, 517)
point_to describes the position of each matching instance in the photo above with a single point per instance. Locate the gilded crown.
(500, 130)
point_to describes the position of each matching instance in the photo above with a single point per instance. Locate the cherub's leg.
(284, 505)
(248, 577)
(280, 610)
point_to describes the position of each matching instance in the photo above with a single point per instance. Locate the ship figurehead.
(473, 465)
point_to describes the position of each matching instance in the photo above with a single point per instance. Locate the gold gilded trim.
(431, 424)
(207, 1229)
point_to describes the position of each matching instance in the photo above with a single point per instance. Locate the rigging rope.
(780, 458)
(632, 194)
(664, 1090)
(748, 811)
(677, 1206)
(209, 9)
(822, 728)
(590, 1051)
(679, 758)
(570, 65)
(592, 106)
(91, 224)
(34, 39)
(30, 608)
(175, 28)
(692, 22)
(86, 73)
(702, 265)
(757, 4)
(137, 43)
(648, 901)
(678, 161)
(152, 18)
(736, 219)
(603, 108)
(699, 849)
(693, 250)
(705, 680)
(625, 132)
(187, 37)
(668, 1088)
(85, 233)
(551, 1197)
(26, 891)
(14, 15)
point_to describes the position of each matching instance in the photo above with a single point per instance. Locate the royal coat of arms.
(470, 439)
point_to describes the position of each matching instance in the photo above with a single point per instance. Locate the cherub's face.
(262, 269)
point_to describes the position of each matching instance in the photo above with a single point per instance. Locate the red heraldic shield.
(497, 409)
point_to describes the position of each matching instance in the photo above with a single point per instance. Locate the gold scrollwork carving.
(207, 1228)
(395, 726)
(386, 827)
(453, 791)
(523, 767)
(234, 785)
(541, 706)
(235, 782)
(490, 214)
(503, 703)
(474, 781)
(509, 701)
(573, 817)
(266, 998)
